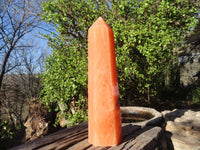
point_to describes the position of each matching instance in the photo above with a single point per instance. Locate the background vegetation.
(21, 60)
(146, 35)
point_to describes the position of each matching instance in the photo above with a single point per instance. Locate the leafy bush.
(65, 82)
(146, 32)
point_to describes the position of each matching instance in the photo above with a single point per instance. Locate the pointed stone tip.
(100, 22)
(100, 19)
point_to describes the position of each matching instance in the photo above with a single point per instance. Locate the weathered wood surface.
(76, 138)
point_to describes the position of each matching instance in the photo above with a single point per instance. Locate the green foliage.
(146, 32)
(65, 80)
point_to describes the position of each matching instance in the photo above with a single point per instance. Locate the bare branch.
(17, 18)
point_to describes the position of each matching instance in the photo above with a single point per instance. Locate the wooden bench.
(76, 138)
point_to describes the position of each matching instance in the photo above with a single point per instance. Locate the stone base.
(184, 126)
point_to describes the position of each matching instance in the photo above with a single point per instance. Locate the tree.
(19, 62)
(146, 32)
(19, 88)
(17, 19)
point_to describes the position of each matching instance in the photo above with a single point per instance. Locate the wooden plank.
(129, 132)
(67, 144)
(67, 141)
(148, 140)
(76, 138)
(128, 129)
(51, 138)
(82, 145)
(143, 139)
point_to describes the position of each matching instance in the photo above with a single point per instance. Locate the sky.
(40, 46)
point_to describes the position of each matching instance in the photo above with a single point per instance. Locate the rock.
(36, 125)
(184, 125)
(149, 116)
(171, 115)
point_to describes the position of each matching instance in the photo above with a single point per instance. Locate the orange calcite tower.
(104, 117)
